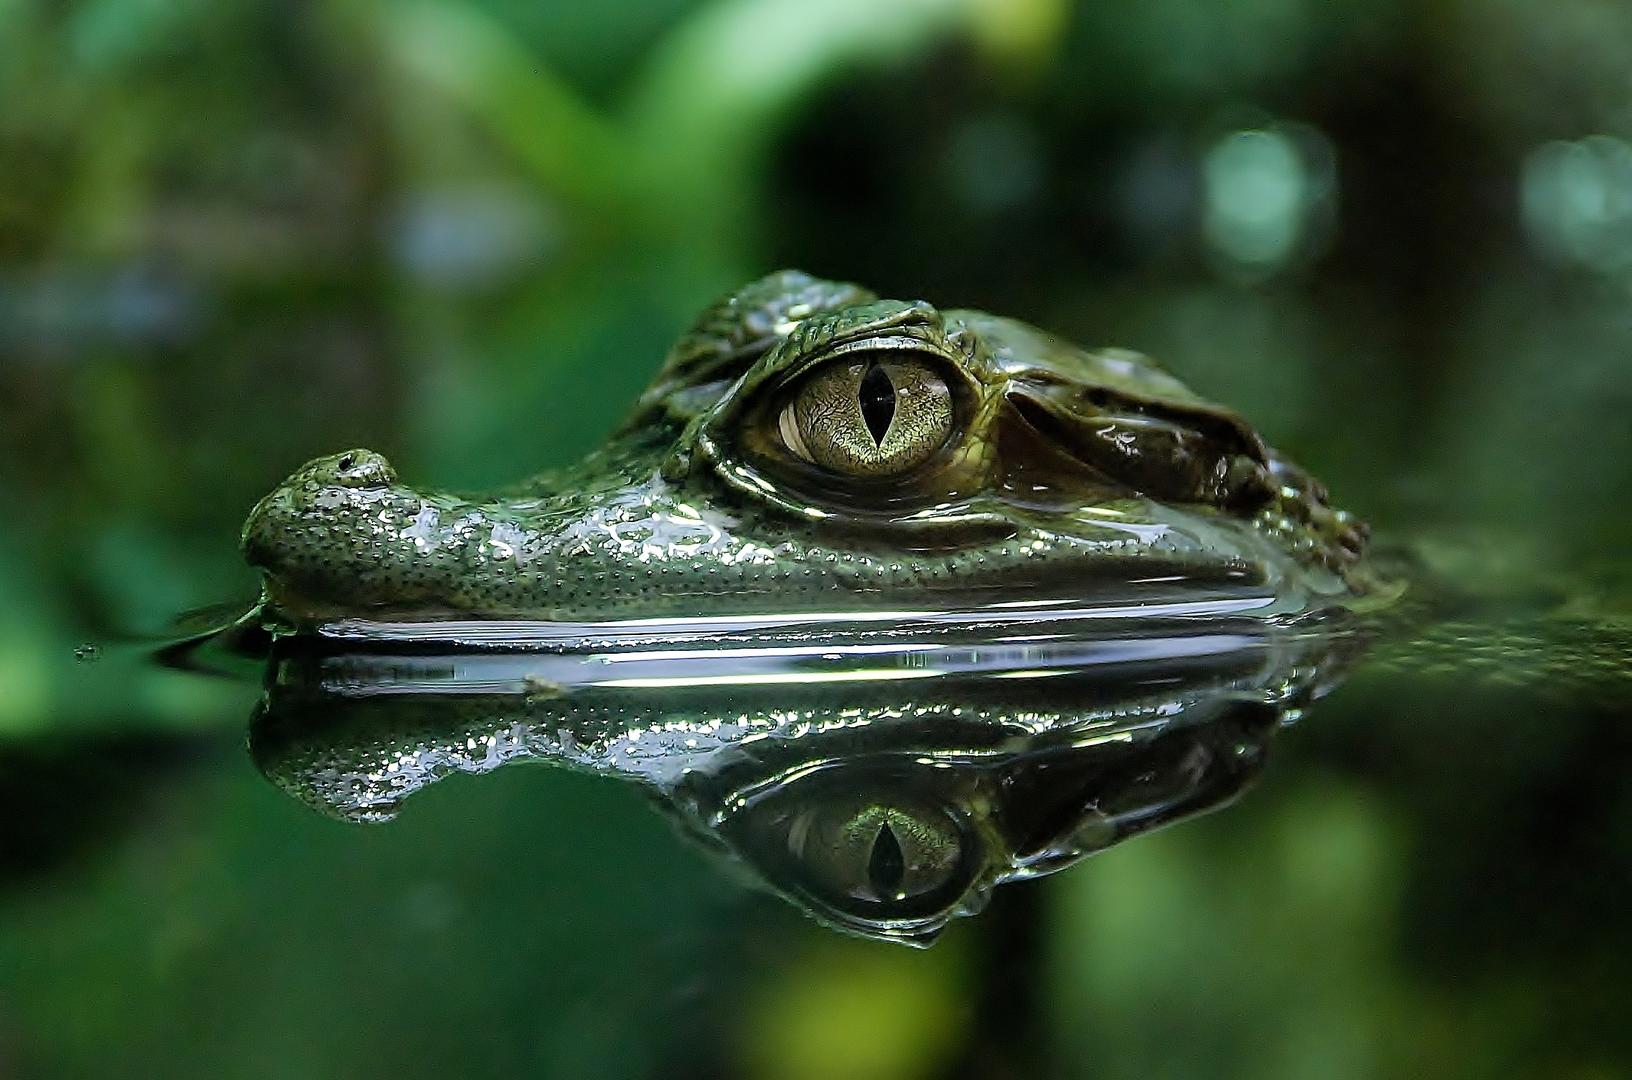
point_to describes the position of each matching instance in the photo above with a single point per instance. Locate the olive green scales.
(807, 447)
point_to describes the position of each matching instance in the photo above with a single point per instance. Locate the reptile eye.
(875, 853)
(869, 417)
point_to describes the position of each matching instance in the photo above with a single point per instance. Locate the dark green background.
(235, 235)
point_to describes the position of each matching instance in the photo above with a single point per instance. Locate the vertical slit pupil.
(887, 866)
(877, 401)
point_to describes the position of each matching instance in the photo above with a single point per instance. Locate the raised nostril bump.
(361, 468)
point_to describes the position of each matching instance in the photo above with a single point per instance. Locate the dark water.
(1397, 236)
(1420, 871)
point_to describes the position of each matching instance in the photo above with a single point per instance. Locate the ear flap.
(731, 334)
(1167, 447)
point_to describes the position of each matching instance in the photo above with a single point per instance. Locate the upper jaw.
(341, 534)
(341, 539)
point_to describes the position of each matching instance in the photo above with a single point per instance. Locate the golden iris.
(871, 416)
(877, 853)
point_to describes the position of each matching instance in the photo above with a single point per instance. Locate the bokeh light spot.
(1262, 189)
(1576, 201)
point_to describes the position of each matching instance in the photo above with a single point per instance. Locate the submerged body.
(810, 448)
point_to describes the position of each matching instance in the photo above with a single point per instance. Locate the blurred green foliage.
(235, 235)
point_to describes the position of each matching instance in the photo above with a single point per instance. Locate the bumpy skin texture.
(1067, 472)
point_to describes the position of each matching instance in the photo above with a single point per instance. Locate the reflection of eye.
(868, 417)
(881, 854)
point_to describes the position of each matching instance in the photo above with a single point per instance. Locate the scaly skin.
(1067, 473)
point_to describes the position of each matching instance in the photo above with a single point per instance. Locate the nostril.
(361, 468)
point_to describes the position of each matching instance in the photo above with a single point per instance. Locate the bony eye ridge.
(868, 416)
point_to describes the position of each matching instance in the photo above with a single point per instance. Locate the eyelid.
(787, 425)
(896, 345)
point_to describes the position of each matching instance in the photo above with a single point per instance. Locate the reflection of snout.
(320, 486)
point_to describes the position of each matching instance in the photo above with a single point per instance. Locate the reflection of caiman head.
(884, 804)
(895, 844)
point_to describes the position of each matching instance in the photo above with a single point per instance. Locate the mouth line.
(345, 607)
(808, 631)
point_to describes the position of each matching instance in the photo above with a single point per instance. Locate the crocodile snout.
(278, 531)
